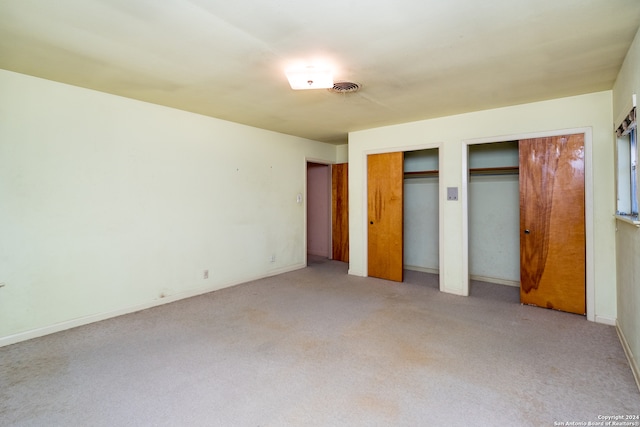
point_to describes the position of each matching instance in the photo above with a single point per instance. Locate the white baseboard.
(506, 282)
(422, 269)
(629, 354)
(605, 320)
(318, 253)
(81, 321)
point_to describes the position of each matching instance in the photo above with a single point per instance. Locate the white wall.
(342, 153)
(453, 133)
(628, 236)
(110, 205)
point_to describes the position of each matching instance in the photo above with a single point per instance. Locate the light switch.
(452, 193)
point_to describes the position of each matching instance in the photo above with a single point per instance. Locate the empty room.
(286, 213)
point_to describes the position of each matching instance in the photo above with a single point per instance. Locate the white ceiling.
(415, 59)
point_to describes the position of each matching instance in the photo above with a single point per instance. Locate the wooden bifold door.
(385, 215)
(552, 226)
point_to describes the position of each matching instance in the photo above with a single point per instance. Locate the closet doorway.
(422, 211)
(494, 213)
(526, 199)
(403, 213)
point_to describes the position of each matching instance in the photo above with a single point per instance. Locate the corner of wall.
(342, 153)
(627, 351)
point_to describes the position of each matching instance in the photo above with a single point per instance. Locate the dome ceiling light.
(310, 77)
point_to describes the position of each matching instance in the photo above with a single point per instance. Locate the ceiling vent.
(344, 87)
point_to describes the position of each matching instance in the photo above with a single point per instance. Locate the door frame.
(588, 204)
(442, 196)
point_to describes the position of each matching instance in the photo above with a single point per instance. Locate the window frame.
(626, 169)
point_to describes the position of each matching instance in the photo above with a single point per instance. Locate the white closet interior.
(494, 213)
(421, 238)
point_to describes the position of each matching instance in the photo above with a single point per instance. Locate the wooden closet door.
(340, 212)
(552, 226)
(385, 214)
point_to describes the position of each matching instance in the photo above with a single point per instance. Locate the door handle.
(371, 222)
(527, 231)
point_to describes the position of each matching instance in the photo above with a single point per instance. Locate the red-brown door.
(552, 226)
(340, 212)
(385, 215)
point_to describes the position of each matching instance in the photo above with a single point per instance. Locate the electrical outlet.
(205, 275)
(273, 257)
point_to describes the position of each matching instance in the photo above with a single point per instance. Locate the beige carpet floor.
(317, 347)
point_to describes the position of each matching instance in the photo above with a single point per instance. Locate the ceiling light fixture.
(310, 77)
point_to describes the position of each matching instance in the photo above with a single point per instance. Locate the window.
(627, 158)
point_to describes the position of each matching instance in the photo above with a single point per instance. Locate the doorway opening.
(494, 221)
(551, 241)
(318, 211)
(421, 234)
(403, 209)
